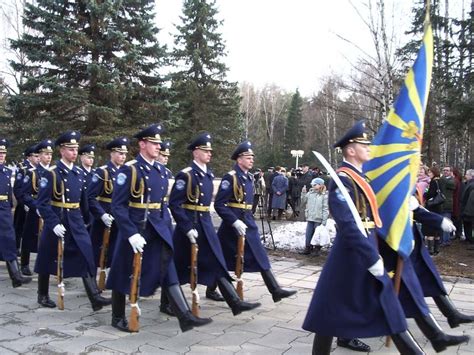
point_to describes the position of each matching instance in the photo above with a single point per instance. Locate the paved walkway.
(270, 329)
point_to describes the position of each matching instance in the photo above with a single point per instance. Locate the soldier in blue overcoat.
(426, 270)
(137, 198)
(99, 196)
(60, 203)
(354, 296)
(30, 188)
(279, 191)
(233, 203)
(8, 249)
(190, 201)
(30, 161)
(87, 156)
(412, 298)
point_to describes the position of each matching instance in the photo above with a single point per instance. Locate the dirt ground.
(454, 260)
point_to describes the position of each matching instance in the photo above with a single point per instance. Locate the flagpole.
(396, 285)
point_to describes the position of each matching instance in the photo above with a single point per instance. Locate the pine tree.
(206, 100)
(92, 66)
(294, 133)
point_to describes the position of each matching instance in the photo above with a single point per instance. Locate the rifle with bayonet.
(60, 269)
(193, 280)
(103, 257)
(239, 265)
(134, 324)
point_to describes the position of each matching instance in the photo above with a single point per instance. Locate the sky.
(291, 43)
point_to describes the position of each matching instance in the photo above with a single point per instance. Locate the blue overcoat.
(211, 261)
(20, 214)
(137, 183)
(279, 189)
(348, 300)
(7, 235)
(255, 256)
(99, 196)
(29, 191)
(78, 256)
(88, 217)
(421, 259)
(166, 210)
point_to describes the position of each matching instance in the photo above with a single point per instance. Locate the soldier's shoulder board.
(343, 174)
(51, 168)
(131, 162)
(187, 170)
(31, 169)
(232, 172)
(103, 167)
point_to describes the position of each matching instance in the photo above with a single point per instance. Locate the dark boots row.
(90, 285)
(15, 275)
(176, 302)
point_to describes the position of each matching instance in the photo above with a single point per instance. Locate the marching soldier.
(7, 237)
(139, 190)
(354, 296)
(30, 161)
(60, 201)
(87, 154)
(99, 195)
(190, 200)
(233, 204)
(30, 188)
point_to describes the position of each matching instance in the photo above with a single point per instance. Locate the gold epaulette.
(232, 172)
(51, 168)
(187, 170)
(131, 162)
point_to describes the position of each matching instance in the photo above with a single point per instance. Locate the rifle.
(134, 324)
(60, 270)
(40, 229)
(193, 280)
(239, 266)
(103, 258)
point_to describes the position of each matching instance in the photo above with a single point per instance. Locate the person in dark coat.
(137, 198)
(433, 235)
(30, 188)
(190, 201)
(30, 161)
(233, 204)
(8, 250)
(60, 203)
(467, 207)
(426, 270)
(99, 196)
(87, 156)
(354, 296)
(279, 191)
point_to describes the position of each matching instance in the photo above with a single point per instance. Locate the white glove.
(26, 208)
(377, 269)
(192, 235)
(59, 230)
(448, 226)
(137, 242)
(240, 227)
(107, 219)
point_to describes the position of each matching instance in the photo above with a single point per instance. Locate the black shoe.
(449, 310)
(306, 251)
(166, 309)
(189, 321)
(243, 306)
(120, 324)
(214, 295)
(45, 301)
(93, 293)
(25, 270)
(353, 344)
(275, 289)
(444, 340)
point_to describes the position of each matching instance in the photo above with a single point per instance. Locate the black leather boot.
(430, 245)
(353, 344)
(450, 311)
(212, 294)
(15, 274)
(165, 306)
(180, 307)
(405, 344)
(119, 320)
(275, 289)
(97, 301)
(321, 345)
(232, 298)
(437, 242)
(43, 291)
(439, 340)
(25, 262)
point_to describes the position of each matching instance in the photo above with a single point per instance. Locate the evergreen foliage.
(294, 132)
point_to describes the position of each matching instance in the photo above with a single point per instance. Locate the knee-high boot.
(165, 306)
(321, 345)
(439, 340)
(15, 274)
(93, 292)
(180, 307)
(232, 298)
(430, 242)
(212, 294)
(405, 344)
(437, 243)
(119, 320)
(25, 262)
(275, 289)
(450, 311)
(43, 291)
